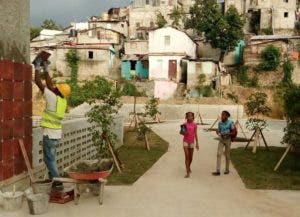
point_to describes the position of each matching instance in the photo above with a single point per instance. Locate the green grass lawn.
(256, 170)
(136, 159)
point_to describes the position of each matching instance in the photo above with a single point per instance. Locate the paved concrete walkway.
(163, 192)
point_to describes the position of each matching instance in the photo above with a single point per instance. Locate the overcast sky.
(66, 11)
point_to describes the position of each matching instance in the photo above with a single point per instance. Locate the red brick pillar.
(15, 116)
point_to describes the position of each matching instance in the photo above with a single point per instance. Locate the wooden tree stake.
(116, 161)
(21, 143)
(288, 148)
(146, 142)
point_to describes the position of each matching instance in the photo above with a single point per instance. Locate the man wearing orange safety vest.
(53, 114)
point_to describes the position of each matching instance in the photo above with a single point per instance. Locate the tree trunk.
(219, 84)
(222, 55)
(134, 112)
(256, 141)
(146, 142)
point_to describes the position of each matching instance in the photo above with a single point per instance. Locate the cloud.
(66, 11)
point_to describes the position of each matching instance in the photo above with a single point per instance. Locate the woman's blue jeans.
(49, 148)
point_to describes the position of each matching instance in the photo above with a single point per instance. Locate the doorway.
(173, 70)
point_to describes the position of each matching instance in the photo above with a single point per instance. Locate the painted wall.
(179, 42)
(14, 28)
(164, 89)
(136, 47)
(88, 69)
(120, 26)
(194, 69)
(125, 70)
(159, 67)
(91, 37)
(140, 70)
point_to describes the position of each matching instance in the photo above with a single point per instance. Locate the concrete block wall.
(177, 112)
(15, 116)
(76, 143)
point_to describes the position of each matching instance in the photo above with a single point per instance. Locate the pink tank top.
(191, 129)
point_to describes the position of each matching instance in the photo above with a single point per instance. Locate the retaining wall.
(176, 112)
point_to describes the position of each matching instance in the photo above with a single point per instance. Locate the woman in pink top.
(189, 136)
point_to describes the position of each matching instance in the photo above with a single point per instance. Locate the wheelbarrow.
(94, 181)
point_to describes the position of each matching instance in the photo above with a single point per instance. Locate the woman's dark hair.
(186, 114)
(227, 113)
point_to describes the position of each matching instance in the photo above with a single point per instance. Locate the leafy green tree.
(177, 15)
(223, 31)
(297, 27)
(256, 106)
(271, 57)
(292, 114)
(106, 105)
(160, 20)
(34, 32)
(72, 59)
(288, 69)
(151, 108)
(50, 24)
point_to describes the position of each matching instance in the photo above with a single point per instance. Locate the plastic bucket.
(42, 187)
(38, 203)
(12, 201)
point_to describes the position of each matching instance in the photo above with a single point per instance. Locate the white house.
(167, 47)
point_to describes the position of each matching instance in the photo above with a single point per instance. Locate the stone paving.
(163, 192)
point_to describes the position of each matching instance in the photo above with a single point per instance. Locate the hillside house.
(278, 15)
(286, 44)
(135, 62)
(120, 26)
(167, 47)
(95, 60)
(143, 13)
(99, 35)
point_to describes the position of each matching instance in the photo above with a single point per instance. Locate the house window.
(163, 2)
(147, 2)
(156, 3)
(286, 1)
(138, 25)
(159, 64)
(167, 40)
(91, 55)
(286, 14)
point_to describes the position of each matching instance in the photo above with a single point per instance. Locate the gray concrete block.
(76, 143)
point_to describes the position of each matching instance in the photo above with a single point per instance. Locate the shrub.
(151, 107)
(297, 27)
(267, 31)
(270, 58)
(253, 82)
(288, 69)
(129, 89)
(242, 76)
(256, 107)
